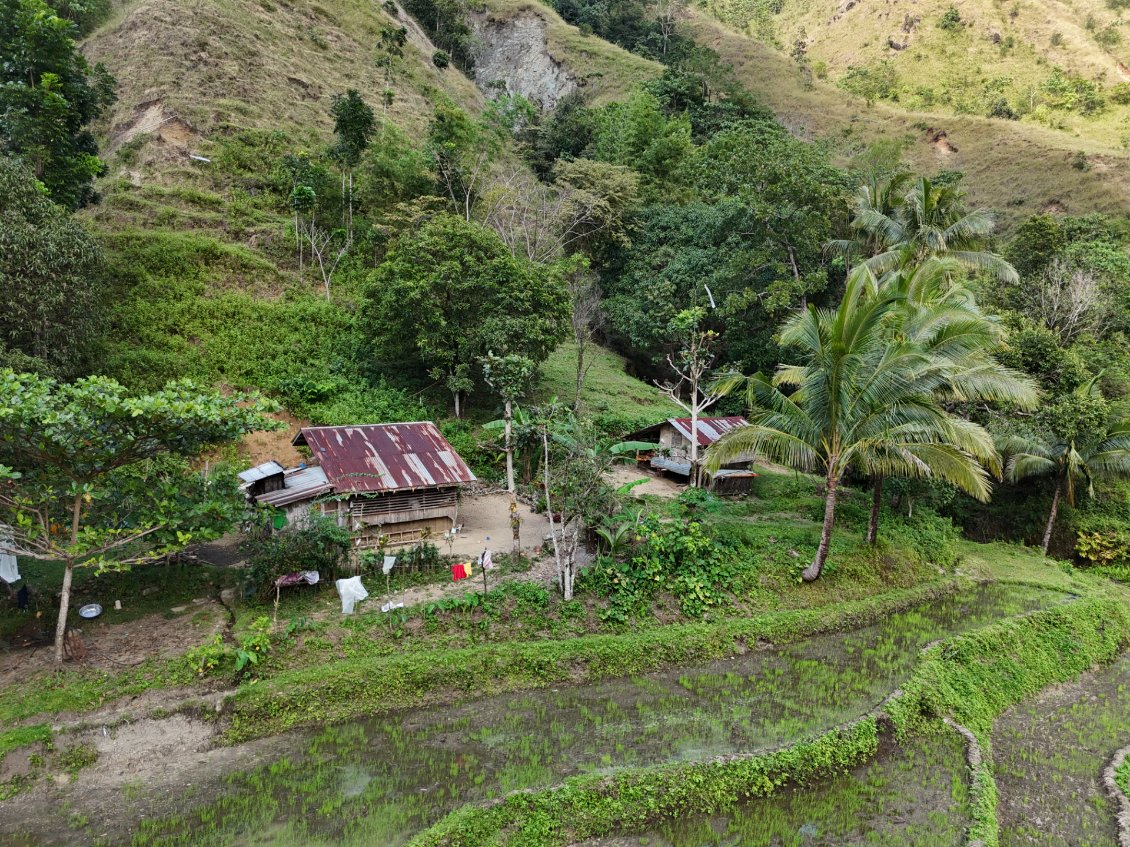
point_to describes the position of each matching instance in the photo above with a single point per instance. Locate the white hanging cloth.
(9, 572)
(351, 592)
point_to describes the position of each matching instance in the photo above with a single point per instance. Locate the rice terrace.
(563, 423)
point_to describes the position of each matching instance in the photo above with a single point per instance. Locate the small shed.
(674, 456)
(674, 434)
(263, 478)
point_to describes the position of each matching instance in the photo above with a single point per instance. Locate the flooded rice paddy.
(1049, 754)
(915, 795)
(381, 780)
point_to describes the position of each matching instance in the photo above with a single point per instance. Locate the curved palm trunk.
(876, 504)
(1052, 517)
(812, 572)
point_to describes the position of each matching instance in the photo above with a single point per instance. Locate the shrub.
(210, 658)
(317, 544)
(441, 59)
(951, 20)
(677, 557)
(1102, 548)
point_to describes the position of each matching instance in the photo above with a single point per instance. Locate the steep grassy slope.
(956, 53)
(1016, 168)
(211, 95)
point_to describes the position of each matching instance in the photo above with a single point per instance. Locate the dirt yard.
(486, 525)
(115, 647)
(658, 486)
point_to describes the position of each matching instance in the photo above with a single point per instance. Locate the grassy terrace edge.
(969, 678)
(973, 678)
(370, 686)
(595, 805)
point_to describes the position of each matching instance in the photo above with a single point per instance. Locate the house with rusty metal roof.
(389, 483)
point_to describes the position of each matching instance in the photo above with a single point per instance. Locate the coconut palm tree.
(1073, 461)
(927, 221)
(859, 398)
(940, 315)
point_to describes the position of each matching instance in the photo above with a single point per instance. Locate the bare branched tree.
(540, 222)
(328, 247)
(584, 296)
(691, 367)
(1069, 301)
(667, 14)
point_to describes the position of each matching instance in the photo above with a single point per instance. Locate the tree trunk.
(515, 529)
(458, 406)
(1052, 516)
(64, 607)
(876, 504)
(509, 417)
(580, 377)
(568, 562)
(298, 242)
(549, 513)
(694, 438)
(68, 575)
(812, 572)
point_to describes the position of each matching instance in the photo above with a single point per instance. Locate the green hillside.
(1014, 167)
(969, 57)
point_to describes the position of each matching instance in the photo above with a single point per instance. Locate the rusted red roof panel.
(385, 457)
(709, 429)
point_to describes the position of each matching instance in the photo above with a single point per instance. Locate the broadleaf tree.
(50, 275)
(73, 456)
(49, 95)
(450, 292)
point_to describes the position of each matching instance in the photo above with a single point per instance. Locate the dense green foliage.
(49, 95)
(450, 293)
(92, 477)
(316, 544)
(50, 269)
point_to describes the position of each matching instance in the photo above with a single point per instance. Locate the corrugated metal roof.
(385, 457)
(709, 429)
(299, 484)
(261, 472)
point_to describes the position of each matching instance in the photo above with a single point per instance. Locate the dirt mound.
(940, 141)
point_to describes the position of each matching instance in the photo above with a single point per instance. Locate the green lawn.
(609, 392)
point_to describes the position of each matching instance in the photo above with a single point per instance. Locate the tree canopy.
(67, 449)
(452, 292)
(50, 278)
(49, 95)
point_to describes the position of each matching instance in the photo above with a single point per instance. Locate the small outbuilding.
(389, 483)
(674, 454)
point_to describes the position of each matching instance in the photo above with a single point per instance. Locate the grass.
(1015, 168)
(144, 590)
(23, 736)
(1030, 39)
(609, 391)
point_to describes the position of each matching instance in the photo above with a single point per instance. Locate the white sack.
(351, 592)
